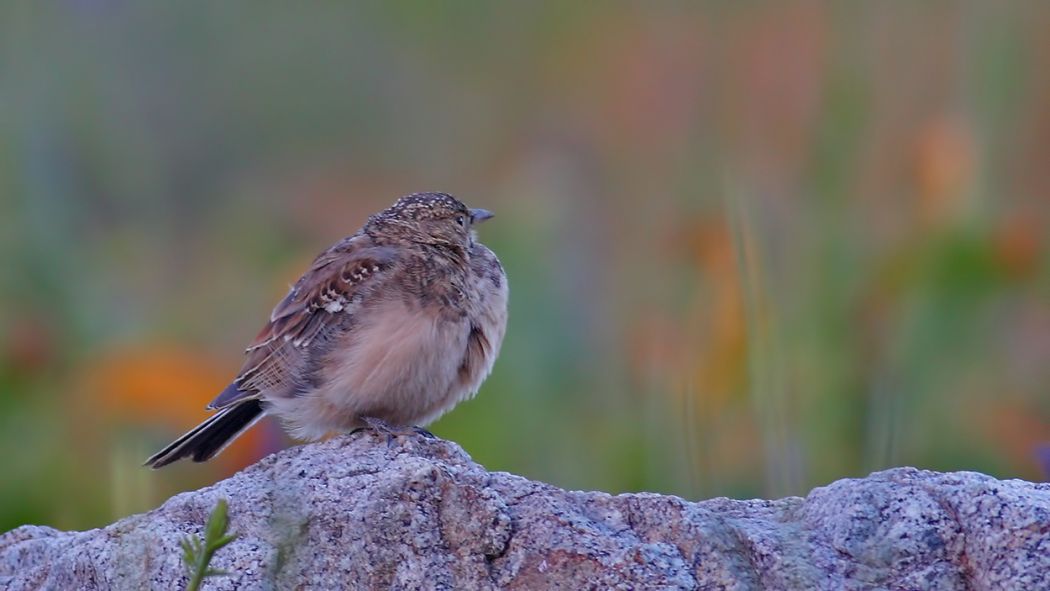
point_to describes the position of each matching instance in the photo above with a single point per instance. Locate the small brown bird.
(393, 325)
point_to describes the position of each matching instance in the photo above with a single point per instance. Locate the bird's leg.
(382, 427)
(391, 432)
(378, 425)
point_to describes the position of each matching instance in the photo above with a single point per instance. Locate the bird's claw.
(423, 432)
(382, 427)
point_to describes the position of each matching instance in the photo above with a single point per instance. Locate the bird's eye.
(460, 220)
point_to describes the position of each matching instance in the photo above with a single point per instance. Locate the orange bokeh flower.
(159, 387)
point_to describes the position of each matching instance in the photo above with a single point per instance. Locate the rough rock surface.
(355, 512)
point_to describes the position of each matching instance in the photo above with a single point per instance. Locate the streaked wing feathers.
(320, 295)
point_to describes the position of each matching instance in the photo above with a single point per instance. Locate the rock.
(355, 512)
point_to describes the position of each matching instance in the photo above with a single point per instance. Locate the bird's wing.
(328, 290)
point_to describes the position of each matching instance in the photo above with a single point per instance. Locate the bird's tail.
(210, 437)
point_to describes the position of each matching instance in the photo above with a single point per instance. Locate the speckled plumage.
(397, 322)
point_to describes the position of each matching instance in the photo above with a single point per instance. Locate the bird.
(389, 328)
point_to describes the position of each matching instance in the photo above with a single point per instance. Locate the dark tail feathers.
(210, 437)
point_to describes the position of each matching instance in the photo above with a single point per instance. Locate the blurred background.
(752, 247)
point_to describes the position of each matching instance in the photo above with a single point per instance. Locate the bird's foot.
(384, 428)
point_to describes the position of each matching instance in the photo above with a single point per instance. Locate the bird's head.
(430, 218)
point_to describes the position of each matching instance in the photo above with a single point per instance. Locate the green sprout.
(197, 554)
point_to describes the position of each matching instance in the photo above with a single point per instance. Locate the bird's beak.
(479, 215)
